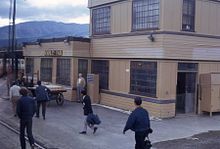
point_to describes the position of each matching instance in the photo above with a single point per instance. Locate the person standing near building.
(25, 110)
(81, 83)
(139, 122)
(14, 95)
(42, 98)
(87, 108)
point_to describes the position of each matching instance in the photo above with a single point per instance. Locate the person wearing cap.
(139, 122)
(14, 95)
(80, 85)
(25, 110)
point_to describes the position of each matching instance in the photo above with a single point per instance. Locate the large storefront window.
(143, 78)
(63, 71)
(101, 67)
(29, 66)
(145, 14)
(46, 69)
(101, 20)
(188, 23)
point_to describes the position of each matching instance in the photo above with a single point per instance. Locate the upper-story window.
(101, 20)
(188, 22)
(145, 14)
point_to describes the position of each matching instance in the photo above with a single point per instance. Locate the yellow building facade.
(155, 49)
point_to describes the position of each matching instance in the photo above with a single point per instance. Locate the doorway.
(83, 67)
(186, 89)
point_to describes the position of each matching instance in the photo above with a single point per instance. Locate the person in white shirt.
(14, 95)
(81, 83)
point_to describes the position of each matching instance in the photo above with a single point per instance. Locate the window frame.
(29, 62)
(44, 77)
(63, 71)
(157, 20)
(103, 73)
(189, 16)
(103, 29)
(150, 85)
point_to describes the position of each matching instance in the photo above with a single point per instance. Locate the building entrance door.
(186, 91)
(83, 67)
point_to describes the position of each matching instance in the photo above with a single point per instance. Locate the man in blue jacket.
(25, 111)
(42, 98)
(139, 122)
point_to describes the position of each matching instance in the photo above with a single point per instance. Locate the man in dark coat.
(139, 122)
(87, 108)
(42, 98)
(25, 111)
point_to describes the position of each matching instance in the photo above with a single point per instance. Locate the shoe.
(44, 117)
(15, 115)
(95, 129)
(82, 132)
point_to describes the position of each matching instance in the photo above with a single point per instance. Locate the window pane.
(63, 71)
(29, 66)
(188, 19)
(101, 20)
(101, 67)
(46, 69)
(143, 78)
(145, 14)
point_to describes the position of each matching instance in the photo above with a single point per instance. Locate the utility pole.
(14, 57)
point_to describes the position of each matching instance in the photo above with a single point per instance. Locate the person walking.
(25, 110)
(87, 108)
(14, 95)
(81, 83)
(139, 122)
(42, 98)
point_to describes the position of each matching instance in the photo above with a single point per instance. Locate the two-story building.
(155, 49)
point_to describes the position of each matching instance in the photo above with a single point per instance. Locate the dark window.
(63, 71)
(101, 67)
(188, 67)
(83, 67)
(46, 69)
(188, 21)
(101, 20)
(145, 14)
(29, 65)
(143, 78)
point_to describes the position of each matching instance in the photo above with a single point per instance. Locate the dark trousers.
(43, 103)
(28, 125)
(139, 138)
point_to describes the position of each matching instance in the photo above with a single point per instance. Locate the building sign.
(53, 52)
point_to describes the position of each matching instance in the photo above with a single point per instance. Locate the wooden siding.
(166, 80)
(191, 48)
(119, 76)
(208, 17)
(157, 110)
(127, 47)
(121, 18)
(81, 49)
(171, 15)
(93, 3)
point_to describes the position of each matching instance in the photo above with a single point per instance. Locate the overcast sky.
(67, 11)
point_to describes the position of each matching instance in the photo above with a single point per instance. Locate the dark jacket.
(87, 105)
(138, 120)
(26, 108)
(93, 119)
(42, 93)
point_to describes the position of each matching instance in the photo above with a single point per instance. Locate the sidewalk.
(62, 125)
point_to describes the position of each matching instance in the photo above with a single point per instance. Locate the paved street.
(62, 124)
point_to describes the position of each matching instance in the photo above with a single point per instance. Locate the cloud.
(40, 10)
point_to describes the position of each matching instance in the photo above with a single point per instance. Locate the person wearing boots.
(25, 110)
(139, 122)
(87, 108)
(42, 98)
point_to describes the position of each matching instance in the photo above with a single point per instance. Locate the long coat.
(87, 105)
